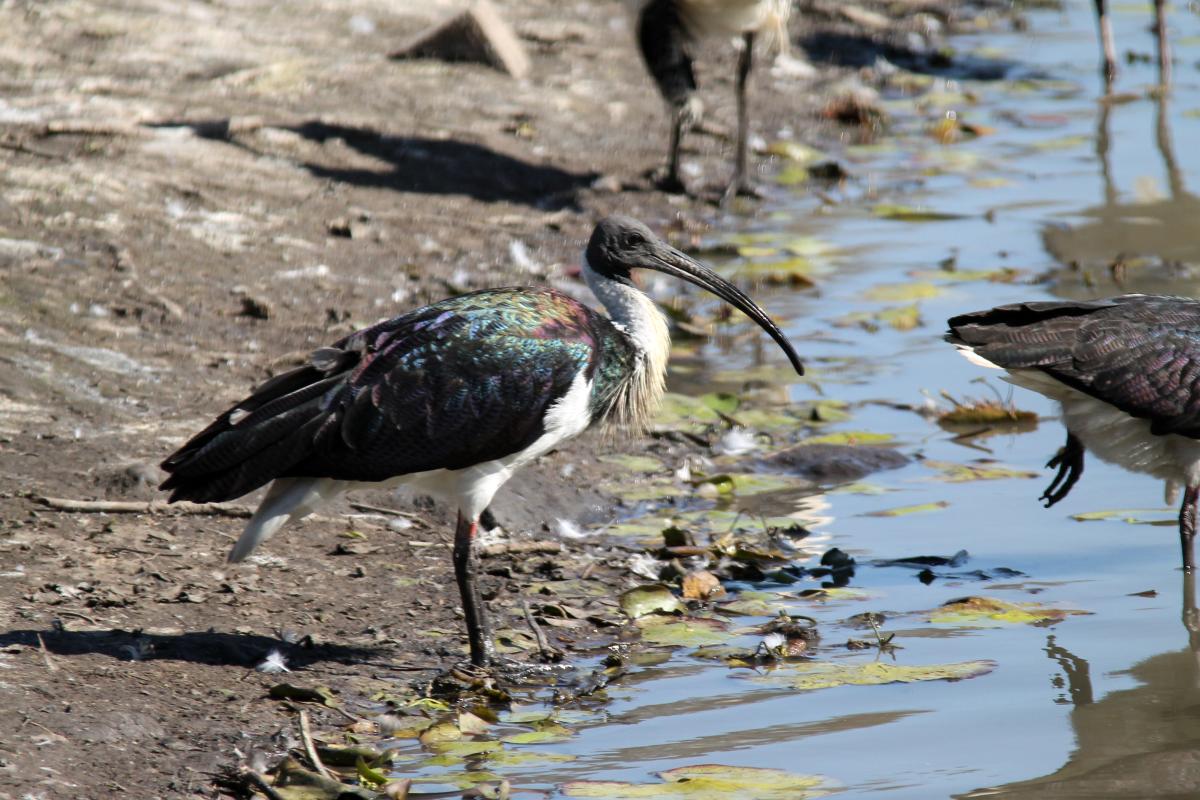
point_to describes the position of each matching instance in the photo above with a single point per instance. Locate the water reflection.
(1146, 242)
(1142, 742)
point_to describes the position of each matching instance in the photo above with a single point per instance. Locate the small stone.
(255, 308)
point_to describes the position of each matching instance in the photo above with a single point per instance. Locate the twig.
(50, 665)
(135, 507)
(391, 512)
(260, 783)
(519, 548)
(309, 748)
(548, 652)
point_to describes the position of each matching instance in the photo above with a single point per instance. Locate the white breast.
(1109, 433)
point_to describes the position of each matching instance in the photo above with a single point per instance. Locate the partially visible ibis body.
(1126, 372)
(451, 399)
(1108, 50)
(667, 33)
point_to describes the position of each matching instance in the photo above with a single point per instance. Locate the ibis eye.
(634, 239)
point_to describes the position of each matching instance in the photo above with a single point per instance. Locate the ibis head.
(621, 244)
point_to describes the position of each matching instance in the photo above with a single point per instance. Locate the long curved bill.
(668, 260)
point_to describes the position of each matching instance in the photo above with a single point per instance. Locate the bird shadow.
(419, 164)
(200, 647)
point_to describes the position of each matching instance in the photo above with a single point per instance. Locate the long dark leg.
(740, 184)
(671, 182)
(479, 633)
(1069, 460)
(1109, 68)
(1187, 526)
(1164, 47)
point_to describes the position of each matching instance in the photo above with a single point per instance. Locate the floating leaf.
(682, 632)
(904, 511)
(848, 437)
(650, 599)
(440, 732)
(795, 151)
(984, 610)
(368, 776)
(707, 782)
(681, 411)
(1132, 516)
(813, 675)
(1061, 143)
(545, 734)
(1001, 275)
(961, 473)
(913, 213)
(462, 749)
(900, 318)
(902, 292)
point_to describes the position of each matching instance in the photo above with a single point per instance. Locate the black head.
(620, 244)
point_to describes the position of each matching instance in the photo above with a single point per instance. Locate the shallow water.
(1105, 704)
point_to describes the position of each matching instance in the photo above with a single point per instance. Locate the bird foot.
(1069, 461)
(669, 183)
(508, 671)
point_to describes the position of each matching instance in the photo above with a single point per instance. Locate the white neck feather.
(636, 314)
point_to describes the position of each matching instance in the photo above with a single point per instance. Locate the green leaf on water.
(465, 748)
(368, 776)
(680, 411)
(546, 733)
(654, 598)
(905, 213)
(708, 782)
(860, 488)
(683, 632)
(1132, 516)
(520, 758)
(1001, 275)
(1061, 143)
(952, 472)
(903, 292)
(813, 675)
(795, 151)
(900, 318)
(904, 511)
(848, 437)
(984, 611)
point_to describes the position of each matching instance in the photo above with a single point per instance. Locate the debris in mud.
(976, 411)
(479, 34)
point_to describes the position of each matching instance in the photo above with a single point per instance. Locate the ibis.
(1126, 372)
(667, 31)
(1108, 65)
(452, 398)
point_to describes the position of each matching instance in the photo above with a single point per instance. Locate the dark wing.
(456, 383)
(1139, 353)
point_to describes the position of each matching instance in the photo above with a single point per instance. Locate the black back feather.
(664, 41)
(456, 383)
(1139, 353)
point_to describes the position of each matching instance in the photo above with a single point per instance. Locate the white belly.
(1114, 436)
(733, 17)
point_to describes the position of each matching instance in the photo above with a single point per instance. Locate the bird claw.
(1069, 461)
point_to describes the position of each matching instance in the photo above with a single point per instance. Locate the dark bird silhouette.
(1108, 53)
(667, 32)
(452, 399)
(1126, 371)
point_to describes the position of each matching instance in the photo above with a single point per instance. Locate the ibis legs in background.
(479, 632)
(1187, 527)
(740, 182)
(1108, 69)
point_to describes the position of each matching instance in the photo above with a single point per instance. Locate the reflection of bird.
(1108, 67)
(1126, 371)
(452, 398)
(1138, 741)
(667, 30)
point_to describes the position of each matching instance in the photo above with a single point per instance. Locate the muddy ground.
(193, 195)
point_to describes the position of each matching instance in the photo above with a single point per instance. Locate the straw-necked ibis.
(452, 398)
(1108, 65)
(667, 31)
(1126, 371)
